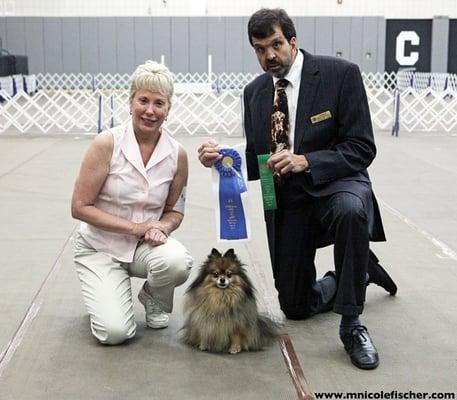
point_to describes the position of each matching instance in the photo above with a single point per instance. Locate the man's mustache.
(273, 63)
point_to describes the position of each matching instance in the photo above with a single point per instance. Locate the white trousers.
(106, 287)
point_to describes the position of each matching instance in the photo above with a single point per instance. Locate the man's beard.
(279, 70)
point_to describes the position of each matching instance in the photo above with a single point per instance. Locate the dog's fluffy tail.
(268, 330)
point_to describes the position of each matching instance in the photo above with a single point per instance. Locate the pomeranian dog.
(221, 310)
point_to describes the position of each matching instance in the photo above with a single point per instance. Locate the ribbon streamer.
(231, 186)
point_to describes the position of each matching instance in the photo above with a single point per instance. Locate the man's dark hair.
(262, 23)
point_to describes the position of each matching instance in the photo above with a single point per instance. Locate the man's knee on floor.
(296, 311)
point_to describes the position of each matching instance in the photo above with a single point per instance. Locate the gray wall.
(117, 44)
(440, 35)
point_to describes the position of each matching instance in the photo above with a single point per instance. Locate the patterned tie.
(280, 118)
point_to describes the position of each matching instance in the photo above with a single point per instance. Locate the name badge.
(321, 117)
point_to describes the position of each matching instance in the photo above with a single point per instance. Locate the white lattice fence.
(92, 111)
(65, 81)
(428, 110)
(380, 80)
(420, 81)
(114, 109)
(191, 113)
(188, 81)
(111, 81)
(183, 81)
(380, 101)
(205, 104)
(233, 82)
(57, 111)
(206, 113)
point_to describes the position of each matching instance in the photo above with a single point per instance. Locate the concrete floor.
(47, 351)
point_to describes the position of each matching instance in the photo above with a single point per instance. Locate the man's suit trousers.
(299, 224)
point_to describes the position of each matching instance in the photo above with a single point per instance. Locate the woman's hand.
(140, 229)
(150, 231)
(155, 237)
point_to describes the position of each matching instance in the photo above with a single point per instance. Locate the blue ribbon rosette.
(231, 185)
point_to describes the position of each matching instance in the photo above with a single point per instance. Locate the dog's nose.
(222, 280)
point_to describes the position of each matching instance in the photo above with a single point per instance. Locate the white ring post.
(210, 70)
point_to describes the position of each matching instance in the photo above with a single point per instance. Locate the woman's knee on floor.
(113, 331)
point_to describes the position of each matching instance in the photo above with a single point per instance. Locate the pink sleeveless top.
(132, 191)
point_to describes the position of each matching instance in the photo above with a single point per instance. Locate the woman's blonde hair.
(154, 77)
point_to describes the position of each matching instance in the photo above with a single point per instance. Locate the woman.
(130, 196)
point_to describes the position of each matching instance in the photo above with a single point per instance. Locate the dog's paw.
(202, 347)
(234, 348)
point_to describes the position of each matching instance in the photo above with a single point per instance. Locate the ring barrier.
(428, 110)
(207, 104)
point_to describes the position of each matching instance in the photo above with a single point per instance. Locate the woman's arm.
(173, 212)
(92, 175)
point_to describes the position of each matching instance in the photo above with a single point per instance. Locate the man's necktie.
(280, 118)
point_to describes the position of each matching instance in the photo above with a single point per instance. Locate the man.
(319, 156)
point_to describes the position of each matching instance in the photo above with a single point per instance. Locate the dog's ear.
(215, 253)
(230, 253)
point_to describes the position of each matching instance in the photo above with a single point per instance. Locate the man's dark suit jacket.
(339, 149)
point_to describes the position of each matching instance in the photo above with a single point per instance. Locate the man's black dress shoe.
(360, 348)
(379, 276)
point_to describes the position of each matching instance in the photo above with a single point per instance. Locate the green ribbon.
(267, 183)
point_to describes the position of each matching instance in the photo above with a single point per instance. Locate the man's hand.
(208, 153)
(284, 162)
